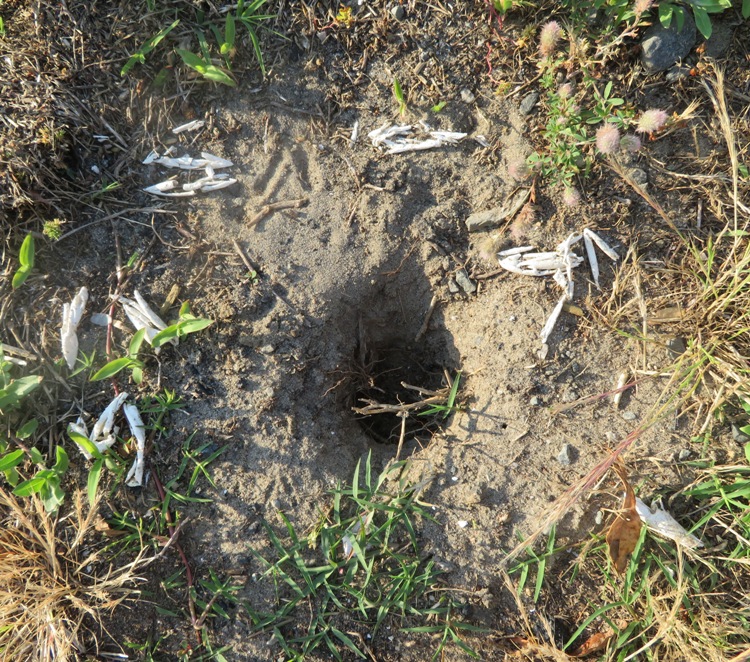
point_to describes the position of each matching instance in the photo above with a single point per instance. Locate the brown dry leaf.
(626, 529)
(101, 525)
(594, 644)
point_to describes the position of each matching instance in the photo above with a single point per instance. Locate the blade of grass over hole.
(139, 57)
(95, 474)
(114, 367)
(86, 444)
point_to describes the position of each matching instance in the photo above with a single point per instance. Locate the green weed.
(361, 562)
(26, 261)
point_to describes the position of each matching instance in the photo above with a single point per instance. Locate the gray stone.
(565, 456)
(663, 47)
(629, 415)
(639, 176)
(267, 349)
(684, 454)
(528, 103)
(720, 40)
(534, 401)
(464, 282)
(738, 435)
(676, 347)
(468, 96)
(677, 73)
(483, 220)
(398, 12)
(452, 286)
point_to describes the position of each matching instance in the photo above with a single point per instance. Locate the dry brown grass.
(52, 579)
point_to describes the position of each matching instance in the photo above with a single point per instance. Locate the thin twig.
(276, 206)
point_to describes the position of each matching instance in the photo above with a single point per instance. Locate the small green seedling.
(130, 361)
(186, 323)
(203, 65)
(46, 482)
(139, 57)
(26, 260)
(247, 14)
(399, 94)
(450, 404)
(439, 106)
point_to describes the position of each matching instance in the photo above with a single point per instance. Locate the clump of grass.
(50, 580)
(361, 563)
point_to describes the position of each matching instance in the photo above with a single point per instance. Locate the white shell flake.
(72, 314)
(394, 139)
(137, 429)
(104, 434)
(660, 521)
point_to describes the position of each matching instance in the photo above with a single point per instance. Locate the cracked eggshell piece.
(106, 422)
(134, 477)
(552, 319)
(603, 245)
(591, 254)
(71, 317)
(451, 137)
(189, 126)
(147, 311)
(661, 522)
(216, 161)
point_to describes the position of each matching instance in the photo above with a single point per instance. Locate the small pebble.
(676, 346)
(464, 282)
(267, 349)
(534, 402)
(528, 102)
(276, 504)
(599, 518)
(468, 96)
(462, 523)
(629, 415)
(565, 456)
(738, 435)
(685, 453)
(452, 286)
(398, 12)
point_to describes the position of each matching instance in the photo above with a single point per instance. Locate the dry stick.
(276, 206)
(403, 416)
(425, 324)
(244, 257)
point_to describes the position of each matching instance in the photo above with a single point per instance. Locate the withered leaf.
(626, 529)
(594, 644)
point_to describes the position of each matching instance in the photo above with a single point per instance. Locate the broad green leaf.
(137, 375)
(217, 75)
(747, 451)
(135, 343)
(85, 443)
(26, 254)
(18, 389)
(31, 486)
(27, 429)
(185, 310)
(113, 367)
(95, 475)
(61, 461)
(191, 326)
(19, 278)
(36, 456)
(191, 60)
(745, 8)
(11, 460)
(702, 21)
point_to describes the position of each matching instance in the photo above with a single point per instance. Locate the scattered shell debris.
(72, 314)
(395, 139)
(138, 430)
(142, 316)
(661, 522)
(104, 433)
(171, 188)
(559, 264)
(189, 126)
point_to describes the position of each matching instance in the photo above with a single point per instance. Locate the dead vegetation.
(55, 584)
